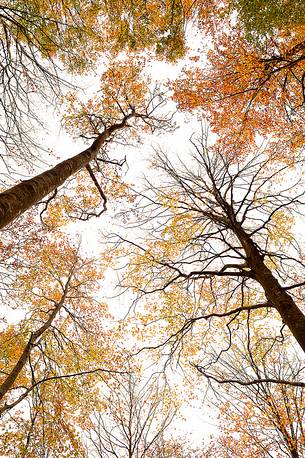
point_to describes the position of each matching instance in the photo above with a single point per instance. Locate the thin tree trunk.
(13, 375)
(16, 200)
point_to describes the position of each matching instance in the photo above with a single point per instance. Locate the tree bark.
(16, 200)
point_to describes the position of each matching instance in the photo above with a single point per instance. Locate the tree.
(100, 119)
(54, 347)
(24, 195)
(43, 43)
(33, 36)
(134, 420)
(134, 417)
(220, 247)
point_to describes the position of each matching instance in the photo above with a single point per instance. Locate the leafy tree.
(99, 120)
(249, 88)
(219, 250)
(261, 18)
(55, 347)
(37, 39)
(215, 234)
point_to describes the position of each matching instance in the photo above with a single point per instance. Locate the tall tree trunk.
(290, 313)
(16, 200)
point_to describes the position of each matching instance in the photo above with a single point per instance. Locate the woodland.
(190, 288)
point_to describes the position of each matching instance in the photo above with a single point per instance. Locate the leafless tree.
(135, 424)
(136, 416)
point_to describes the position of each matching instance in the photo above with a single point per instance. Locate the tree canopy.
(206, 248)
